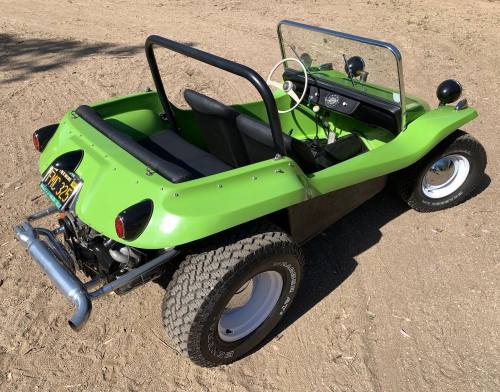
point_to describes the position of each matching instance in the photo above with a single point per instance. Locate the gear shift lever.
(315, 147)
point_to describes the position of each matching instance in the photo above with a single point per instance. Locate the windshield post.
(401, 91)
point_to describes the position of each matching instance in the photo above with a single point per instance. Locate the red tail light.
(131, 222)
(42, 136)
(36, 142)
(119, 227)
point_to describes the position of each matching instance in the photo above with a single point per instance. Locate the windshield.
(369, 67)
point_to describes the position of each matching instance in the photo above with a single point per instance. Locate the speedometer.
(332, 100)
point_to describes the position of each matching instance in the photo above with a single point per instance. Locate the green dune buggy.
(223, 196)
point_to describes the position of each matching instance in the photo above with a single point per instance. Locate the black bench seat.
(170, 146)
(165, 152)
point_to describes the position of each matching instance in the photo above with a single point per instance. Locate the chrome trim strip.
(352, 37)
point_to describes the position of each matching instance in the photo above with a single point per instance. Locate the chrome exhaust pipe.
(67, 283)
(52, 261)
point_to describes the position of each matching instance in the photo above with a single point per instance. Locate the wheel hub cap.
(250, 306)
(445, 176)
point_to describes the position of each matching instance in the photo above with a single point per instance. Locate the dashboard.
(334, 97)
(332, 100)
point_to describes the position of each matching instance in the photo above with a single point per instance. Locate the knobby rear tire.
(205, 282)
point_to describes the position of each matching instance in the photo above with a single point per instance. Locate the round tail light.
(131, 222)
(42, 136)
(120, 227)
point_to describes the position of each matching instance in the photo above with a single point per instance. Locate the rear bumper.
(50, 255)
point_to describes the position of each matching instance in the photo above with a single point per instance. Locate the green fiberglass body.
(142, 185)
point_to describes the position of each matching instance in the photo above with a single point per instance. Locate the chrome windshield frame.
(352, 37)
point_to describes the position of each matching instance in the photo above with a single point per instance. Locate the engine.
(96, 255)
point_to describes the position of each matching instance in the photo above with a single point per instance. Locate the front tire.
(448, 176)
(224, 301)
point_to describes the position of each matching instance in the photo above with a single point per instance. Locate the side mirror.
(306, 59)
(355, 66)
(448, 91)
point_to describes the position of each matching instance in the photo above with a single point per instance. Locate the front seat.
(258, 140)
(218, 125)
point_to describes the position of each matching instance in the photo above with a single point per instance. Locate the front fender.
(432, 127)
(411, 145)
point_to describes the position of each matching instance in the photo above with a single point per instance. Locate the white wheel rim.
(445, 176)
(250, 306)
(279, 85)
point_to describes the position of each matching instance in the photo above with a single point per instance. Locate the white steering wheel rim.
(290, 93)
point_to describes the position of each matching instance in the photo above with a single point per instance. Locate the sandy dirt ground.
(392, 300)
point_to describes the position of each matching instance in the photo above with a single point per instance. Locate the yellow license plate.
(60, 186)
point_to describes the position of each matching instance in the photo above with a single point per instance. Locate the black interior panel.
(311, 217)
(337, 98)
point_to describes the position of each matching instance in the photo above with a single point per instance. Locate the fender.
(420, 137)
(432, 127)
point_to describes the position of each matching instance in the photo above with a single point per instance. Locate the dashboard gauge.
(332, 100)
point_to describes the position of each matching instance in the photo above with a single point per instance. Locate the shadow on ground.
(331, 256)
(20, 58)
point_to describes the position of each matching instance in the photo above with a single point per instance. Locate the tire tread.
(200, 278)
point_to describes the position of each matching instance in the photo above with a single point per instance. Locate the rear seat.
(170, 146)
(165, 152)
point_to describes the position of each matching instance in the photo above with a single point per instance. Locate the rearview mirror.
(355, 66)
(306, 59)
(448, 91)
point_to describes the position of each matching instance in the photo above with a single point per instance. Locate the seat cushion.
(258, 140)
(170, 146)
(167, 169)
(217, 123)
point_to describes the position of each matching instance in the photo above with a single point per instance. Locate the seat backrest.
(258, 140)
(218, 125)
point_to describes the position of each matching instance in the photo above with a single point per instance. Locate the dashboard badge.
(332, 100)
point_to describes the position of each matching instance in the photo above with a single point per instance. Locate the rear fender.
(194, 209)
(114, 180)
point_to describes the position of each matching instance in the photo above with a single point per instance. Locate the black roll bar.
(222, 63)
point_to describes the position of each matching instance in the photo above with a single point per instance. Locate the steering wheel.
(287, 86)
